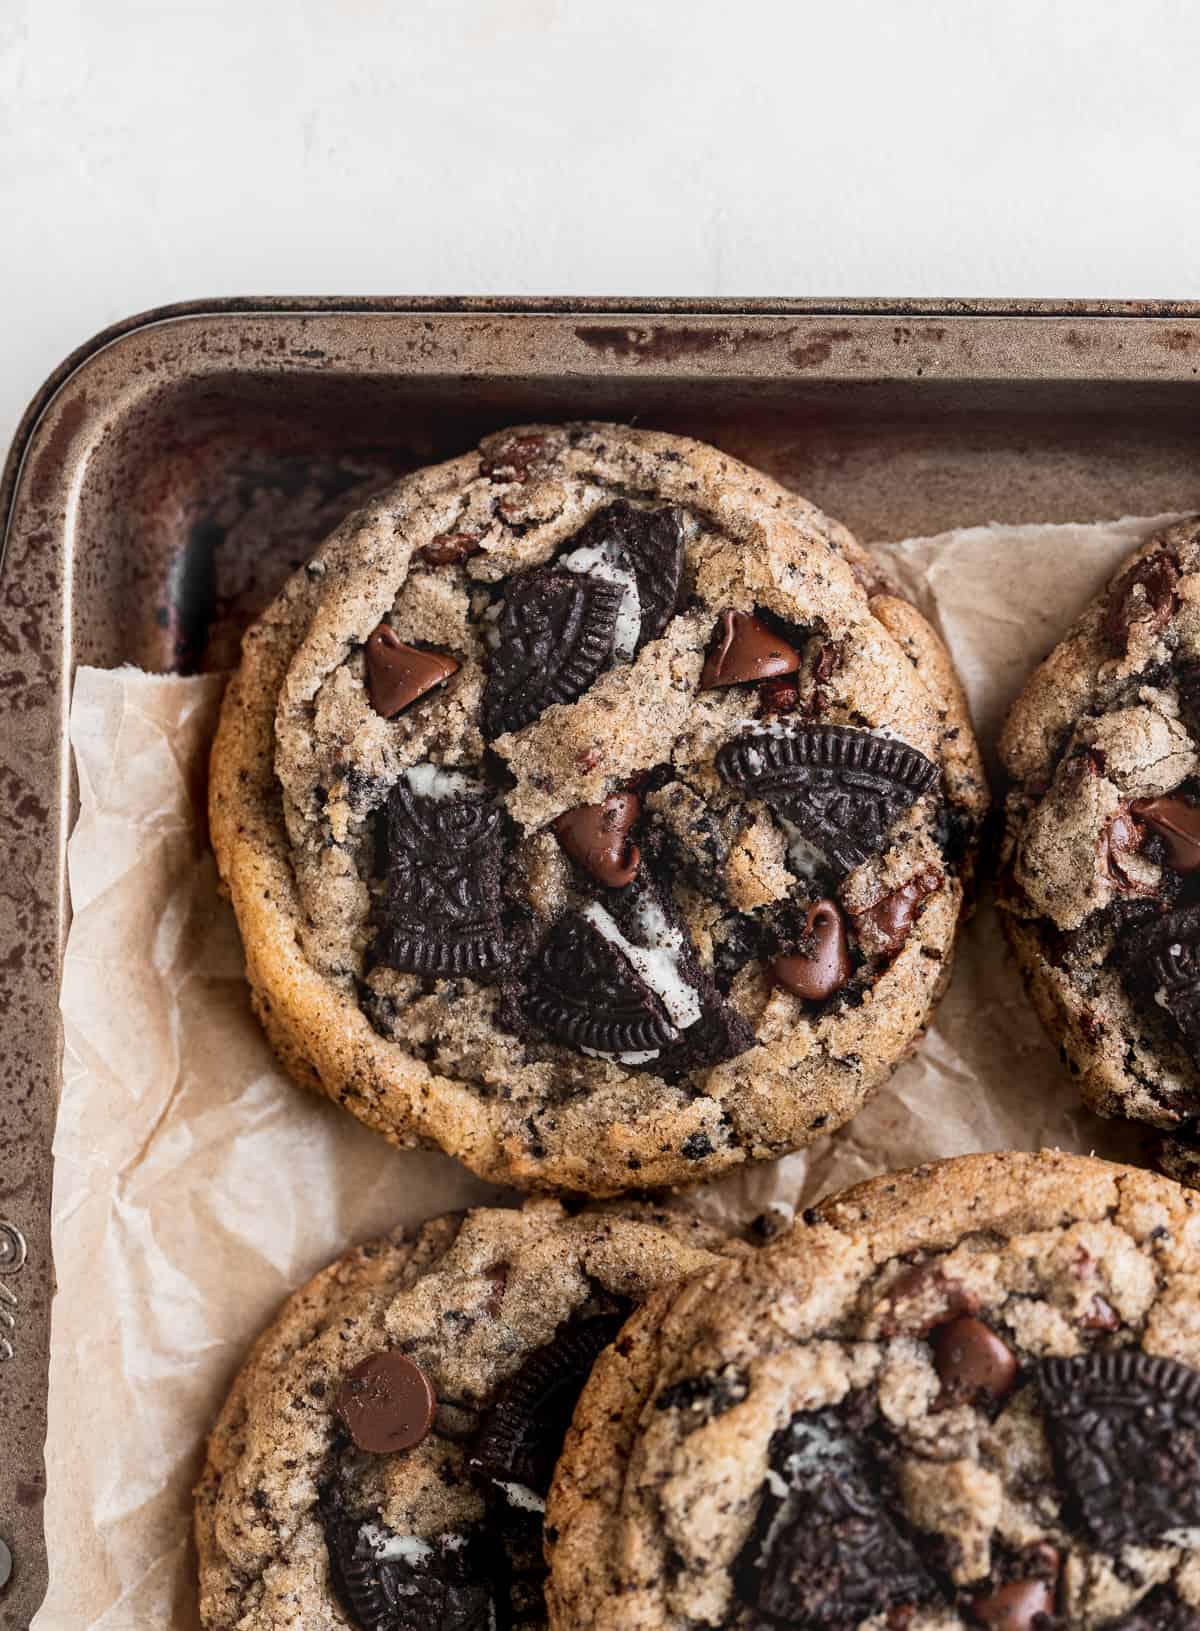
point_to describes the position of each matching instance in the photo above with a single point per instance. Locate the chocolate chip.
(554, 637)
(1124, 1427)
(922, 1297)
(386, 1403)
(825, 1552)
(523, 1432)
(745, 649)
(824, 966)
(512, 459)
(1146, 593)
(438, 908)
(447, 1588)
(584, 992)
(972, 1362)
(842, 788)
(597, 837)
(885, 926)
(398, 674)
(1123, 836)
(450, 548)
(1178, 823)
(1102, 1316)
(778, 696)
(1020, 1605)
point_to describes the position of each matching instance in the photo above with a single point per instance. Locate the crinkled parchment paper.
(195, 1187)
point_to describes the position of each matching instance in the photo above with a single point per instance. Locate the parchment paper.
(195, 1186)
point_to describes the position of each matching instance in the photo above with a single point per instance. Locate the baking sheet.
(195, 1186)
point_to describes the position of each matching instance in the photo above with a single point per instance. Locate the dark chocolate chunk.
(583, 991)
(523, 1432)
(745, 649)
(1146, 593)
(885, 926)
(387, 1403)
(842, 788)
(450, 548)
(1123, 837)
(1188, 680)
(1124, 1427)
(597, 837)
(447, 1588)
(398, 674)
(821, 965)
(972, 1362)
(651, 542)
(1177, 823)
(511, 458)
(438, 909)
(554, 638)
(827, 1553)
(1164, 955)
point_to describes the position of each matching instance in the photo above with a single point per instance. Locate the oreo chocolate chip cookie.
(1101, 886)
(383, 1459)
(585, 814)
(961, 1396)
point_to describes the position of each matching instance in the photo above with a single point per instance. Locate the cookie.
(1100, 893)
(968, 1395)
(383, 1458)
(592, 809)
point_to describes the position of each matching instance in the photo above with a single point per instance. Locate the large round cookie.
(590, 809)
(964, 1395)
(455, 1358)
(1101, 887)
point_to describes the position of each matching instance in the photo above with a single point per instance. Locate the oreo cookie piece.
(439, 852)
(1163, 955)
(1125, 1430)
(645, 543)
(388, 1582)
(843, 789)
(1160, 1611)
(524, 1430)
(582, 990)
(825, 1551)
(552, 640)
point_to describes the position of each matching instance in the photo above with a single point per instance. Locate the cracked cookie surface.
(967, 1395)
(382, 1460)
(1100, 894)
(591, 810)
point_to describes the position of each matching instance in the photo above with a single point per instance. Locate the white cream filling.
(657, 963)
(395, 1548)
(433, 782)
(520, 1495)
(804, 857)
(605, 561)
(623, 1058)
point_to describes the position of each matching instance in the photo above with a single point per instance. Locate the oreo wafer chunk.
(582, 991)
(825, 1552)
(389, 1583)
(437, 911)
(1125, 1430)
(553, 639)
(652, 543)
(842, 788)
(1164, 956)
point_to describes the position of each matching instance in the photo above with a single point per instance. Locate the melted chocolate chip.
(1019, 1605)
(524, 1430)
(386, 1403)
(826, 1553)
(778, 696)
(450, 548)
(1124, 1427)
(438, 908)
(1146, 593)
(597, 837)
(554, 638)
(823, 966)
(584, 992)
(1178, 824)
(886, 926)
(513, 459)
(842, 788)
(972, 1362)
(745, 649)
(1124, 836)
(398, 674)
(651, 542)
(446, 1588)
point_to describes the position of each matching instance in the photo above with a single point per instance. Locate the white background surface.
(157, 150)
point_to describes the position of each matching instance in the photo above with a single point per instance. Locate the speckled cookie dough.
(1101, 887)
(968, 1395)
(592, 809)
(383, 1458)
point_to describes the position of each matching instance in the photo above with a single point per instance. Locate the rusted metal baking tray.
(174, 469)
